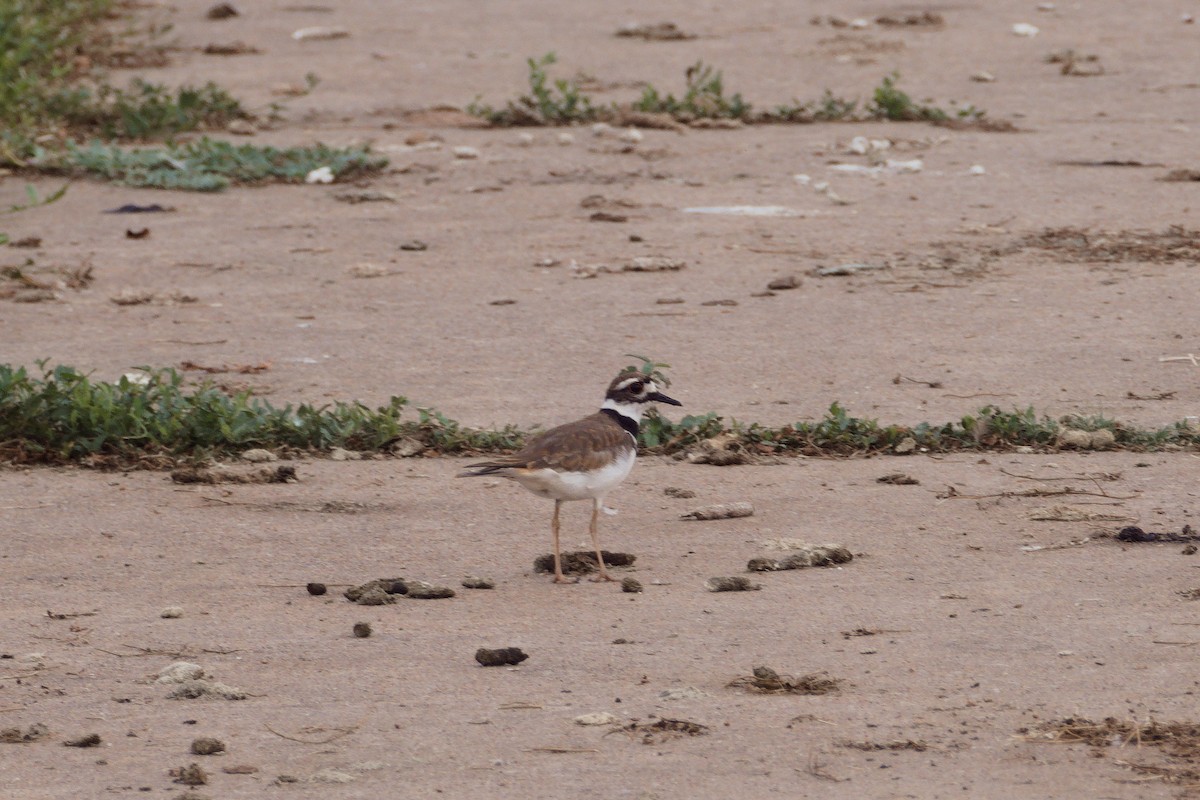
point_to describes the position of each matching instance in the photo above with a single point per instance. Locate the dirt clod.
(658, 32)
(822, 555)
(221, 11)
(362, 630)
(476, 582)
(768, 681)
(898, 479)
(784, 283)
(191, 775)
(377, 592)
(87, 740)
(720, 511)
(207, 746)
(420, 590)
(281, 474)
(682, 494)
(735, 583)
(1132, 533)
(31, 734)
(582, 562)
(661, 730)
(316, 589)
(631, 585)
(500, 657)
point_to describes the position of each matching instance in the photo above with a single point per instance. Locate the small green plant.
(211, 165)
(560, 102)
(651, 369)
(889, 102)
(144, 110)
(703, 97)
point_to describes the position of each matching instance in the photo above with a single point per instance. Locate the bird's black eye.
(636, 387)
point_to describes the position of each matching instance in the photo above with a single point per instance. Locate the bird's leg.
(558, 573)
(603, 576)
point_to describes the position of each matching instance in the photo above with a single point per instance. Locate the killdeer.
(582, 460)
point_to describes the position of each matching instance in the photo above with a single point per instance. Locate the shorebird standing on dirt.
(585, 459)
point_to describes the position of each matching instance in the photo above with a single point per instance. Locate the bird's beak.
(659, 397)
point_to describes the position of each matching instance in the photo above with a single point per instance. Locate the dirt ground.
(985, 612)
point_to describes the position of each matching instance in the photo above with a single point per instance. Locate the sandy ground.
(954, 636)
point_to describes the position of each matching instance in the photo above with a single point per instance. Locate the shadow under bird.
(582, 460)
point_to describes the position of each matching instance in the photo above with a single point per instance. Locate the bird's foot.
(612, 512)
(560, 578)
(602, 577)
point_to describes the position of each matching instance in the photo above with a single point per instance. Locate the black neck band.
(630, 425)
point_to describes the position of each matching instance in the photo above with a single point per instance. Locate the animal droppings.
(582, 562)
(207, 746)
(362, 630)
(720, 511)
(734, 583)
(826, 555)
(501, 657)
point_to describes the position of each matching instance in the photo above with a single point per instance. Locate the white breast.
(578, 485)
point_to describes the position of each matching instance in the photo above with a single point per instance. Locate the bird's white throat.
(631, 411)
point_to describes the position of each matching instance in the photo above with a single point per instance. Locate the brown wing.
(587, 444)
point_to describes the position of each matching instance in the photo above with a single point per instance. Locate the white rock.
(319, 175)
(465, 152)
(859, 23)
(631, 136)
(524, 138)
(977, 169)
(258, 455)
(318, 32)
(602, 129)
(682, 693)
(1024, 29)
(859, 145)
(802, 179)
(171, 612)
(566, 139)
(903, 167)
(983, 76)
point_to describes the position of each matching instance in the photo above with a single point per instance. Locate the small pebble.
(465, 152)
(631, 585)
(566, 139)
(316, 589)
(362, 630)
(171, 612)
(476, 582)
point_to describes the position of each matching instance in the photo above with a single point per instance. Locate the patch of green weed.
(703, 98)
(210, 165)
(560, 102)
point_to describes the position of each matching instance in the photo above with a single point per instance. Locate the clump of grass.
(64, 416)
(560, 102)
(211, 165)
(703, 98)
(144, 110)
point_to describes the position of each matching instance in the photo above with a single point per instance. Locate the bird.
(585, 459)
